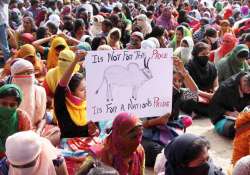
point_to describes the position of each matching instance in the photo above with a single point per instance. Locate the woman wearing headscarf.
(51, 53)
(53, 76)
(29, 154)
(232, 96)
(34, 101)
(142, 21)
(228, 43)
(113, 38)
(122, 149)
(27, 52)
(12, 119)
(70, 103)
(224, 28)
(96, 29)
(184, 52)
(181, 31)
(205, 76)
(241, 140)
(233, 63)
(28, 26)
(166, 20)
(188, 154)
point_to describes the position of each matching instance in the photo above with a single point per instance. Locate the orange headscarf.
(27, 52)
(52, 55)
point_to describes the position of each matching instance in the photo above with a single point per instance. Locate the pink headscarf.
(118, 148)
(166, 19)
(24, 147)
(34, 101)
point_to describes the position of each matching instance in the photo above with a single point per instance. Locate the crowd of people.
(44, 127)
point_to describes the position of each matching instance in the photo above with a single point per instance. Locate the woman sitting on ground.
(70, 103)
(235, 62)
(12, 119)
(187, 154)
(232, 96)
(122, 149)
(165, 126)
(205, 76)
(38, 156)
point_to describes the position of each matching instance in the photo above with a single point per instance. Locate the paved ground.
(221, 148)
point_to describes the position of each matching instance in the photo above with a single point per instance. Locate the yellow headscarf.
(66, 57)
(52, 56)
(77, 112)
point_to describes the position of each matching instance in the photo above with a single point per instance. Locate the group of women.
(44, 127)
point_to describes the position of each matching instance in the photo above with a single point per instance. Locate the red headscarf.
(122, 148)
(229, 42)
(228, 13)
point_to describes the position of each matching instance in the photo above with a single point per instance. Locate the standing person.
(4, 22)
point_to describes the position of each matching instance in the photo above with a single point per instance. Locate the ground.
(221, 148)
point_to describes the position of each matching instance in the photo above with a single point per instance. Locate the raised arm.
(38, 43)
(188, 80)
(70, 40)
(67, 75)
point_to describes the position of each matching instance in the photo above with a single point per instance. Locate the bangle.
(185, 73)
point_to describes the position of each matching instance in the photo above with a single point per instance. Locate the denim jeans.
(4, 45)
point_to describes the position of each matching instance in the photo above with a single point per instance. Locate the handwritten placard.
(134, 81)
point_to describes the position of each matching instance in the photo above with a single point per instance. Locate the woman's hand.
(93, 129)
(178, 63)
(80, 55)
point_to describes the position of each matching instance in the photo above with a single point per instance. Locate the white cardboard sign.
(134, 81)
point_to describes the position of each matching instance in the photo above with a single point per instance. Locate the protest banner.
(134, 81)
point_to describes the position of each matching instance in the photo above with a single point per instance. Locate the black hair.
(114, 20)
(157, 32)
(243, 54)
(53, 27)
(248, 79)
(195, 149)
(151, 8)
(247, 37)
(107, 23)
(12, 92)
(199, 47)
(41, 32)
(149, 14)
(116, 10)
(180, 28)
(77, 24)
(75, 81)
(127, 12)
(210, 32)
(96, 42)
(136, 28)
